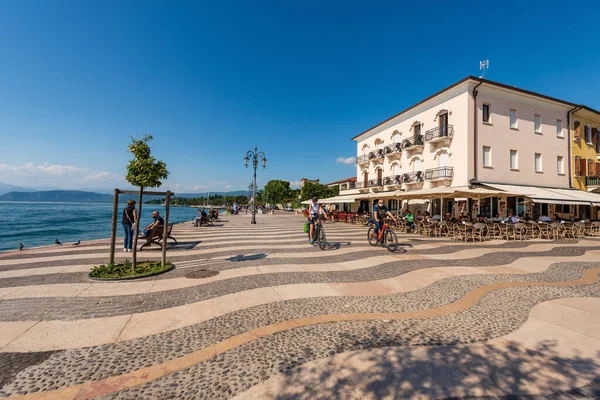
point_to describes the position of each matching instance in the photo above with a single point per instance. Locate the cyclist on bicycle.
(379, 212)
(314, 209)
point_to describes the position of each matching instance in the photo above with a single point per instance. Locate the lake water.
(39, 224)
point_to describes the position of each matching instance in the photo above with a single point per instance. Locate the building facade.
(474, 132)
(585, 147)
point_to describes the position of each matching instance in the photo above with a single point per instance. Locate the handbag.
(306, 227)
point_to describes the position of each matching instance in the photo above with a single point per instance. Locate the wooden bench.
(156, 236)
(199, 221)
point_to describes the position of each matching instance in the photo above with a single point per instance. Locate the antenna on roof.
(483, 66)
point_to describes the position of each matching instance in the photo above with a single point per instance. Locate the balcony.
(413, 178)
(592, 182)
(363, 160)
(439, 174)
(348, 186)
(413, 143)
(376, 184)
(376, 156)
(362, 186)
(441, 134)
(393, 151)
(394, 181)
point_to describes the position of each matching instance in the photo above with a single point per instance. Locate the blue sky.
(211, 79)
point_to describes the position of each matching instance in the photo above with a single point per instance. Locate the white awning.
(544, 195)
(334, 200)
(593, 198)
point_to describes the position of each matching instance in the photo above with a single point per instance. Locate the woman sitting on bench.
(158, 220)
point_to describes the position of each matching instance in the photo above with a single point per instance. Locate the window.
(537, 123)
(559, 131)
(560, 167)
(513, 119)
(514, 164)
(577, 166)
(576, 130)
(487, 156)
(416, 165)
(396, 137)
(378, 144)
(486, 113)
(417, 129)
(538, 162)
(393, 205)
(588, 134)
(395, 169)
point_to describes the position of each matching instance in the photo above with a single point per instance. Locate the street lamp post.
(299, 205)
(254, 156)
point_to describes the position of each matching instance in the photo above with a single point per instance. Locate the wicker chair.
(479, 231)
(463, 232)
(594, 230)
(532, 230)
(558, 230)
(544, 230)
(580, 229)
(519, 231)
(570, 230)
(505, 231)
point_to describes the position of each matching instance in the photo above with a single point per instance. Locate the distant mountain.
(58, 196)
(80, 196)
(197, 195)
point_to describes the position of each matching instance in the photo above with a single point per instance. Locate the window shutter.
(595, 135)
(582, 166)
(576, 130)
(597, 168)
(577, 167)
(591, 168)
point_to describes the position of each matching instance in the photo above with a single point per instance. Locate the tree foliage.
(311, 190)
(144, 170)
(277, 190)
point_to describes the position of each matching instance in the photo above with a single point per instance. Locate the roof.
(352, 179)
(481, 80)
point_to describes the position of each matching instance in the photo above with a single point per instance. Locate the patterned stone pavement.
(282, 319)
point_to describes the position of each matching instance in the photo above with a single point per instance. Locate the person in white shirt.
(314, 209)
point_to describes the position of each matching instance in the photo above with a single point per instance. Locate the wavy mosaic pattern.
(279, 305)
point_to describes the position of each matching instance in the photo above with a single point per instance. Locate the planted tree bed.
(125, 270)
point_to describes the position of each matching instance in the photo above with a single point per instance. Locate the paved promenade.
(255, 312)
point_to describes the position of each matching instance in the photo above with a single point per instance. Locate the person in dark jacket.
(129, 219)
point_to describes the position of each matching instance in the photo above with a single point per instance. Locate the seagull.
(77, 244)
(21, 246)
(57, 242)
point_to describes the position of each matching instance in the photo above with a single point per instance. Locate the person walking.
(129, 219)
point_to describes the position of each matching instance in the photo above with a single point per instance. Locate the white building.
(474, 132)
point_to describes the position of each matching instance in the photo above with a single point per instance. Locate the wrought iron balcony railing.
(592, 181)
(412, 177)
(362, 184)
(392, 180)
(413, 141)
(348, 186)
(376, 183)
(375, 155)
(362, 159)
(439, 173)
(393, 148)
(444, 131)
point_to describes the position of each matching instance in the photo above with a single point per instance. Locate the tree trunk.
(137, 229)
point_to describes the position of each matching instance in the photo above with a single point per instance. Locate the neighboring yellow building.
(585, 146)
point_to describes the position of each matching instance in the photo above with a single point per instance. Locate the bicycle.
(319, 234)
(386, 236)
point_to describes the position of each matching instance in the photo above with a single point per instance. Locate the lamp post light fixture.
(299, 204)
(255, 156)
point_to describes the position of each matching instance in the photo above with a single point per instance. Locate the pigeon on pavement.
(57, 242)
(77, 244)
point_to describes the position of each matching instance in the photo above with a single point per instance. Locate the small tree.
(143, 171)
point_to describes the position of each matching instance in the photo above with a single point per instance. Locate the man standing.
(158, 220)
(379, 212)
